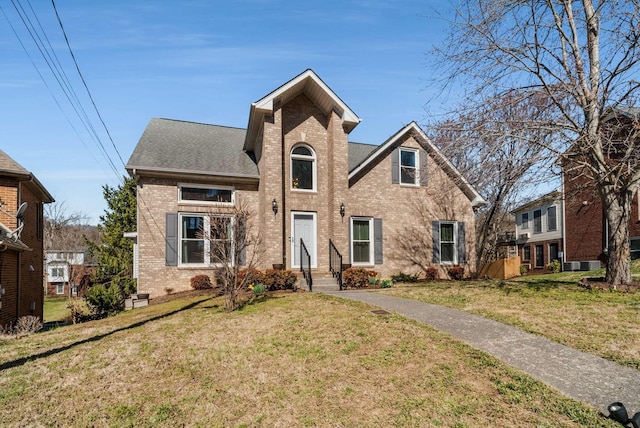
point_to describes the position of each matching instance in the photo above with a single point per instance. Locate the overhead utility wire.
(44, 81)
(42, 49)
(85, 83)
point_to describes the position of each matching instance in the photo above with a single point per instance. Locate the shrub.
(278, 279)
(523, 270)
(386, 283)
(104, 300)
(357, 277)
(554, 266)
(258, 289)
(373, 281)
(431, 274)
(27, 324)
(405, 277)
(201, 282)
(77, 309)
(456, 273)
(250, 276)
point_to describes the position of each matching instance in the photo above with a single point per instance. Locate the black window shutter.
(377, 238)
(462, 244)
(423, 168)
(395, 166)
(435, 227)
(171, 237)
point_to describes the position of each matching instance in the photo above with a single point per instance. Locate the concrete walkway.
(576, 374)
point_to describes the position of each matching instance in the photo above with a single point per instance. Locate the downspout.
(18, 287)
(283, 190)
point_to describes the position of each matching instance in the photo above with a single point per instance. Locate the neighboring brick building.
(21, 246)
(296, 169)
(586, 225)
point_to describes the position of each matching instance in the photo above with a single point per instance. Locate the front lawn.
(601, 322)
(55, 309)
(291, 359)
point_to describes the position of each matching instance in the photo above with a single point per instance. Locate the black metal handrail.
(335, 263)
(305, 257)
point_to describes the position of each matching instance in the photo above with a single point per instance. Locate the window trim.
(416, 167)
(371, 241)
(314, 168)
(454, 224)
(206, 225)
(205, 186)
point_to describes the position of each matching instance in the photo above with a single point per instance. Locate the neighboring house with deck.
(22, 198)
(296, 169)
(540, 231)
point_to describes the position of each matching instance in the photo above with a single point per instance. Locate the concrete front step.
(321, 283)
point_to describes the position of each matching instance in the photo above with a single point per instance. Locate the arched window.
(303, 168)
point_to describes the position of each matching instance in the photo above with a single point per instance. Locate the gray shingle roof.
(358, 152)
(196, 148)
(8, 165)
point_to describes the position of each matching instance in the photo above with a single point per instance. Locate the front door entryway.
(303, 226)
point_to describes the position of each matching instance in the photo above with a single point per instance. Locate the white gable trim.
(308, 82)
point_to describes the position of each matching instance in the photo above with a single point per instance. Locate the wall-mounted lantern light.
(274, 206)
(342, 209)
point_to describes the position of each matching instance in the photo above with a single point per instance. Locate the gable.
(314, 88)
(395, 141)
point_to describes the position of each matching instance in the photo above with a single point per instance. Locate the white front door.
(304, 227)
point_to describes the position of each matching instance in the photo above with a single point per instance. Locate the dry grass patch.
(602, 322)
(288, 360)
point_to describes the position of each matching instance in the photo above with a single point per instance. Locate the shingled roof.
(11, 168)
(173, 146)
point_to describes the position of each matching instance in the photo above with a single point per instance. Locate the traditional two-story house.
(296, 169)
(21, 245)
(539, 231)
(63, 272)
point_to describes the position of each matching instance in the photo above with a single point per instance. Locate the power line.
(57, 70)
(85, 83)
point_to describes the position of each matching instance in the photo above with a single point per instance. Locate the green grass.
(602, 322)
(55, 309)
(296, 359)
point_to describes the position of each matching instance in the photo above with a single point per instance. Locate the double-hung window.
(525, 221)
(552, 224)
(448, 243)
(409, 167)
(362, 241)
(537, 221)
(205, 240)
(303, 168)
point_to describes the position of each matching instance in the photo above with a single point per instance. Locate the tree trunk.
(617, 213)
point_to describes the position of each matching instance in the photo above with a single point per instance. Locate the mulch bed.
(600, 284)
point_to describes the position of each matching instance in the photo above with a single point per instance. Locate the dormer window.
(303, 168)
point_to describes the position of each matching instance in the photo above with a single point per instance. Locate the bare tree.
(497, 154)
(234, 244)
(64, 230)
(583, 56)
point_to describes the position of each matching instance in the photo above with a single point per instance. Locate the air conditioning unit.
(524, 236)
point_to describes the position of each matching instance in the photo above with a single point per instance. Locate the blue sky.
(202, 61)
